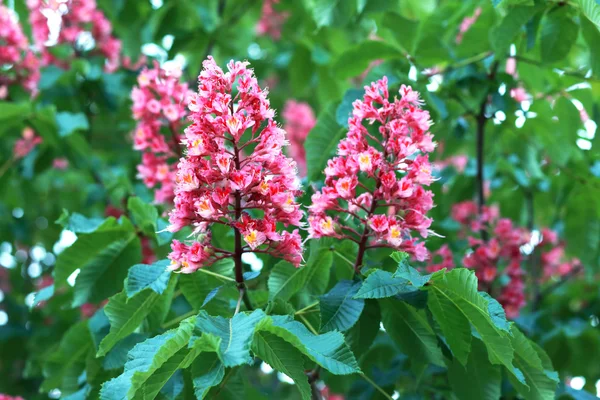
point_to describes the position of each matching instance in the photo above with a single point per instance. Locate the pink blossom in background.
(254, 195)
(271, 20)
(17, 63)
(584, 115)
(5, 285)
(458, 162)
(440, 259)
(328, 395)
(7, 397)
(386, 173)
(299, 119)
(554, 262)
(519, 94)
(511, 66)
(60, 163)
(78, 18)
(466, 24)
(159, 105)
(26, 143)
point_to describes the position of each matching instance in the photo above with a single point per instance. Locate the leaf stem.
(303, 310)
(310, 327)
(219, 276)
(376, 386)
(177, 320)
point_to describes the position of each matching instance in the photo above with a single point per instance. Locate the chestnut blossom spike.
(374, 191)
(234, 173)
(159, 106)
(299, 120)
(82, 26)
(18, 64)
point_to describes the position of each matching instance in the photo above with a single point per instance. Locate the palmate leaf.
(235, 333)
(541, 381)
(145, 359)
(64, 366)
(457, 292)
(478, 378)
(283, 357)
(125, 315)
(381, 284)
(142, 276)
(328, 350)
(207, 371)
(409, 329)
(339, 310)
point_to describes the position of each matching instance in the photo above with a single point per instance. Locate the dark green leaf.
(339, 311)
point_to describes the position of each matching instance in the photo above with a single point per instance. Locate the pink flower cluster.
(82, 24)
(7, 397)
(497, 260)
(17, 63)
(26, 143)
(466, 24)
(159, 103)
(553, 260)
(458, 162)
(299, 120)
(216, 184)
(271, 20)
(375, 186)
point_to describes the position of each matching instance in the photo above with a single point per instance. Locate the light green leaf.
(144, 360)
(459, 287)
(207, 371)
(339, 310)
(64, 365)
(144, 215)
(558, 34)
(592, 38)
(504, 34)
(381, 284)
(322, 141)
(285, 281)
(354, 61)
(409, 273)
(496, 313)
(142, 276)
(541, 383)
(78, 223)
(478, 379)
(328, 350)
(409, 329)
(125, 315)
(70, 122)
(9, 110)
(591, 10)
(236, 335)
(282, 357)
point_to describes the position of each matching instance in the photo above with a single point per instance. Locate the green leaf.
(65, 364)
(144, 215)
(282, 357)
(9, 110)
(381, 284)
(328, 350)
(207, 371)
(344, 110)
(409, 329)
(504, 34)
(592, 38)
(43, 294)
(142, 276)
(478, 379)
(454, 325)
(103, 276)
(318, 267)
(322, 141)
(236, 335)
(541, 383)
(125, 315)
(78, 223)
(409, 273)
(459, 288)
(70, 122)
(354, 61)
(330, 12)
(144, 360)
(496, 313)
(285, 281)
(362, 335)
(591, 10)
(558, 34)
(339, 311)
(403, 30)
(196, 288)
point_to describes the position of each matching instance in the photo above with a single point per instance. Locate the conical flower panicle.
(234, 173)
(374, 188)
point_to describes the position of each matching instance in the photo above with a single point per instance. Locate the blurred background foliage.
(541, 153)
